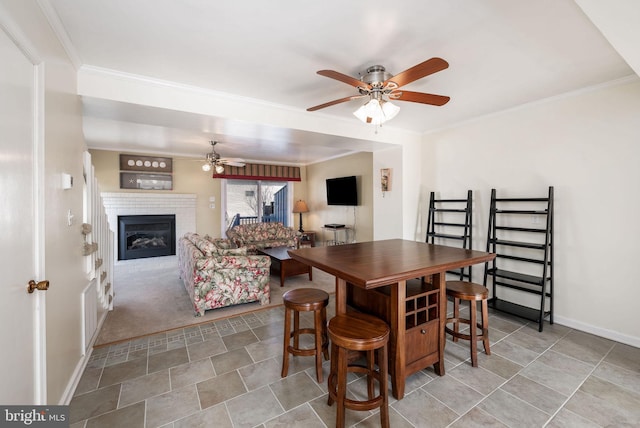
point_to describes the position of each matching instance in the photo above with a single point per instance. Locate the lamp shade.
(300, 207)
(206, 167)
(219, 169)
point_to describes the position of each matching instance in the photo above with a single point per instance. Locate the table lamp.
(300, 207)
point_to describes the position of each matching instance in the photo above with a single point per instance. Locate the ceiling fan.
(216, 161)
(377, 84)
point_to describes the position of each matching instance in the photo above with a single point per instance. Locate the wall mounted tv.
(342, 191)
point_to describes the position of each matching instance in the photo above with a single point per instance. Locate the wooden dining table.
(375, 275)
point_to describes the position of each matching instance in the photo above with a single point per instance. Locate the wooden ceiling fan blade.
(419, 71)
(344, 78)
(334, 102)
(419, 97)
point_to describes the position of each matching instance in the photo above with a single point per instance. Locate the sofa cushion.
(226, 247)
(260, 235)
(207, 247)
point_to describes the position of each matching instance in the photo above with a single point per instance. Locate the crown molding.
(60, 32)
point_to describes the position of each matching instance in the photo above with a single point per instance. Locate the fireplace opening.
(141, 236)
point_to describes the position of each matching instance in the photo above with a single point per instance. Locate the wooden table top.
(278, 253)
(377, 263)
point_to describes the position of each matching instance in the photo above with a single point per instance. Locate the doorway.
(256, 201)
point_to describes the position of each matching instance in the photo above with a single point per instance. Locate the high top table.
(377, 274)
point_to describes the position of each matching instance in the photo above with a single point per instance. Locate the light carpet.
(150, 298)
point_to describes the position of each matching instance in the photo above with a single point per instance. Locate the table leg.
(282, 268)
(439, 279)
(341, 296)
(398, 330)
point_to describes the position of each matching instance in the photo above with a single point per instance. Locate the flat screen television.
(342, 191)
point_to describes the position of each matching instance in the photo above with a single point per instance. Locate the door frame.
(223, 204)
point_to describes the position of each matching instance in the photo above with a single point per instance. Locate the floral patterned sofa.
(217, 274)
(262, 235)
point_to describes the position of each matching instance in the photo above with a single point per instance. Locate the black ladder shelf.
(450, 220)
(524, 254)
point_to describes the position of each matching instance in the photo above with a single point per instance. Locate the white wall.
(587, 146)
(387, 206)
(358, 164)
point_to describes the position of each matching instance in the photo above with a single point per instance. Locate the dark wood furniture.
(362, 333)
(284, 265)
(305, 300)
(521, 235)
(472, 293)
(416, 316)
(449, 223)
(307, 239)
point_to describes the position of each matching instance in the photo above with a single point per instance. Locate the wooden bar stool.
(358, 332)
(305, 300)
(471, 292)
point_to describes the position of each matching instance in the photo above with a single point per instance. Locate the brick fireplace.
(182, 206)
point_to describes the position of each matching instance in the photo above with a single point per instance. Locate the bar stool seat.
(471, 292)
(358, 332)
(305, 300)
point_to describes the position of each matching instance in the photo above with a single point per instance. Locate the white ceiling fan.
(214, 160)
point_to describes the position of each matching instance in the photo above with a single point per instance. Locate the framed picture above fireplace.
(143, 181)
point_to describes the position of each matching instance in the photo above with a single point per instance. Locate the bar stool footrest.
(464, 336)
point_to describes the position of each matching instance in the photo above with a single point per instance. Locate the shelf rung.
(529, 289)
(538, 212)
(462, 201)
(521, 229)
(522, 199)
(518, 244)
(442, 235)
(520, 259)
(449, 210)
(521, 311)
(437, 223)
(516, 276)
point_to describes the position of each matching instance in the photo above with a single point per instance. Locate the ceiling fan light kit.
(215, 161)
(377, 83)
(377, 112)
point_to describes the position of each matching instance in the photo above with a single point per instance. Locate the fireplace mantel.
(182, 205)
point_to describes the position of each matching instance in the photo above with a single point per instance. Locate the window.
(256, 201)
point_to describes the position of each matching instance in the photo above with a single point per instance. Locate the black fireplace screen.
(141, 236)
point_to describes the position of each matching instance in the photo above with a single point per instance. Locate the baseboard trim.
(74, 380)
(598, 331)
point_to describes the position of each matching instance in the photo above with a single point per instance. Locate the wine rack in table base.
(421, 320)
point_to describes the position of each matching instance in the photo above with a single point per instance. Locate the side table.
(307, 239)
(335, 230)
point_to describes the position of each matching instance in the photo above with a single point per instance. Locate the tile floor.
(227, 374)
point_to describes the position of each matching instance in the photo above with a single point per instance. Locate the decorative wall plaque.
(145, 163)
(137, 180)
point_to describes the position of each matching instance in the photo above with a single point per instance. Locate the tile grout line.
(509, 379)
(595, 367)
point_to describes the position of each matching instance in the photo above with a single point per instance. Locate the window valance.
(256, 171)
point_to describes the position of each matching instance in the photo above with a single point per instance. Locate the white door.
(22, 373)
